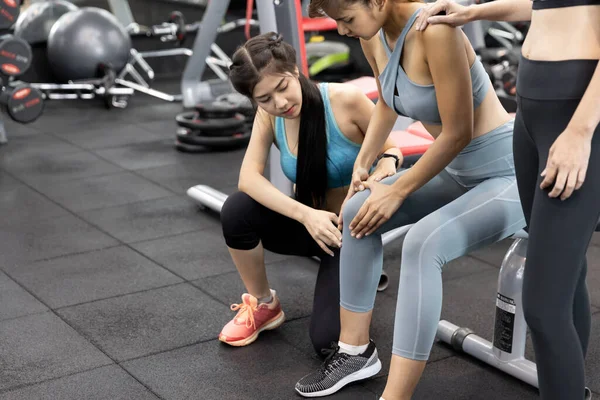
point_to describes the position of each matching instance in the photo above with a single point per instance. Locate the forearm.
(587, 115)
(263, 191)
(501, 10)
(436, 158)
(382, 122)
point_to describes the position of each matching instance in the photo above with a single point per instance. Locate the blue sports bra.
(341, 151)
(416, 101)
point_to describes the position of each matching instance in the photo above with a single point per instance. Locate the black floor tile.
(102, 191)
(41, 347)
(155, 111)
(20, 152)
(471, 302)
(145, 155)
(20, 204)
(94, 275)
(15, 301)
(593, 274)
(165, 128)
(150, 219)
(99, 137)
(52, 168)
(458, 379)
(593, 356)
(195, 255)
(144, 323)
(293, 279)
(49, 238)
(106, 383)
(15, 130)
(78, 115)
(218, 170)
(214, 371)
(7, 181)
(296, 334)
(494, 254)
(595, 239)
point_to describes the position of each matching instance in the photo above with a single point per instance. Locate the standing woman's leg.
(555, 299)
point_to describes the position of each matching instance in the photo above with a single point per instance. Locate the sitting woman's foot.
(251, 319)
(588, 394)
(338, 370)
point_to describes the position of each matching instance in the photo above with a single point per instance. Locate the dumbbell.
(9, 12)
(15, 55)
(22, 103)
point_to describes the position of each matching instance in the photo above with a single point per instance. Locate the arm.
(587, 115)
(569, 155)
(381, 122)
(448, 63)
(361, 113)
(501, 10)
(252, 180)
(455, 14)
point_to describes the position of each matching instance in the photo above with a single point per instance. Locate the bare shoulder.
(438, 36)
(344, 94)
(266, 122)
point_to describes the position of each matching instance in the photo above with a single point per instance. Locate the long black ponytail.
(268, 53)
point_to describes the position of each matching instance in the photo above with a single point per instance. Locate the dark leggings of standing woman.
(555, 296)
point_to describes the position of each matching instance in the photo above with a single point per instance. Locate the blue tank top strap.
(280, 138)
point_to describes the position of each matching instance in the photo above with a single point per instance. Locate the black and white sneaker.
(338, 370)
(588, 394)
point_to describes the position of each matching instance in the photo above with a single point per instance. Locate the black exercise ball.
(82, 40)
(35, 23)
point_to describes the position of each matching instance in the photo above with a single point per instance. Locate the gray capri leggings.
(473, 203)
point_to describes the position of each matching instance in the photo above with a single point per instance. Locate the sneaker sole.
(272, 324)
(357, 376)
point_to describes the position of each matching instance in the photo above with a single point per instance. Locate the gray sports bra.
(416, 101)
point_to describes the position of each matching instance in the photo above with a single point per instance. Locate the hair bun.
(276, 40)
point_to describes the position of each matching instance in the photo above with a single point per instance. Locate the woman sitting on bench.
(318, 130)
(461, 195)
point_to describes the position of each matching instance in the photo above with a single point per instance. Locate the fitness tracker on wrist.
(395, 157)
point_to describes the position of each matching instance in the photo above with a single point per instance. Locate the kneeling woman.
(318, 130)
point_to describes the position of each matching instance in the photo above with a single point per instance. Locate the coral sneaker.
(251, 319)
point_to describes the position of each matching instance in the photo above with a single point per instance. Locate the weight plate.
(15, 55)
(242, 103)
(211, 127)
(194, 139)
(9, 12)
(25, 104)
(216, 110)
(189, 148)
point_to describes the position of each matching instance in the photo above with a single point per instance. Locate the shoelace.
(331, 361)
(249, 310)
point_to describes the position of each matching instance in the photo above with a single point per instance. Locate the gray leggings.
(474, 202)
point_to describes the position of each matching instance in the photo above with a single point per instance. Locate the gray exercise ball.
(82, 40)
(35, 23)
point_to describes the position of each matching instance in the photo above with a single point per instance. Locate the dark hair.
(318, 8)
(268, 53)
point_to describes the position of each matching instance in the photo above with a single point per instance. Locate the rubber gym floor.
(114, 285)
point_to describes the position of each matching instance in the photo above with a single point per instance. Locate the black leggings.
(555, 296)
(246, 222)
